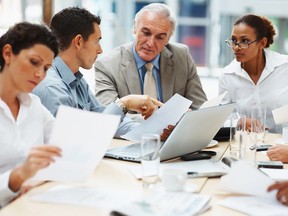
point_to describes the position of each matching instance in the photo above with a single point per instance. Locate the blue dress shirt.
(156, 72)
(62, 87)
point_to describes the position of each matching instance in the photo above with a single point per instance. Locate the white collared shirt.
(271, 90)
(33, 127)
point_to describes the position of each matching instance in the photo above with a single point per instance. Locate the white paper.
(276, 174)
(83, 137)
(280, 115)
(246, 179)
(168, 114)
(255, 206)
(200, 166)
(213, 102)
(85, 196)
(167, 204)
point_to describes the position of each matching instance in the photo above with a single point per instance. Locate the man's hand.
(166, 132)
(141, 103)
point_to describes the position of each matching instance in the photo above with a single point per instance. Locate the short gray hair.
(159, 8)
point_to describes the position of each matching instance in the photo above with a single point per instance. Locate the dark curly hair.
(263, 27)
(24, 35)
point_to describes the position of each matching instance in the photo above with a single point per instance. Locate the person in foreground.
(27, 51)
(123, 71)
(282, 194)
(257, 76)
(78, 33)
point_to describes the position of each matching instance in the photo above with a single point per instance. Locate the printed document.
(128, 202)
(247, 180)
(213, 102)
(83, 137)
(168, 114)
(280, 115)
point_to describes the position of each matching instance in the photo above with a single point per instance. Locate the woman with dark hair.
(27, 51)
(257, 76)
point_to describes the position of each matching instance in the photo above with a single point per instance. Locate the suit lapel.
(130, 72)
(167, 74)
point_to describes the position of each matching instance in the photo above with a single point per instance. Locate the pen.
(207, 174)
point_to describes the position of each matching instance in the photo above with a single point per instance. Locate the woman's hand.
(278, 153)
(38, 158)
(282, 194)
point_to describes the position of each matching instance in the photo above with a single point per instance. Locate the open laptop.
(194, 132)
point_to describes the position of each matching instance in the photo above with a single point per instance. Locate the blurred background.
(203, 25)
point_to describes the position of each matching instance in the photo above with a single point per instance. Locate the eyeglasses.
(242, 45)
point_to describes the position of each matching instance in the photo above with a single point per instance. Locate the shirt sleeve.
(6, 195)
(53, 96)
(126, 123)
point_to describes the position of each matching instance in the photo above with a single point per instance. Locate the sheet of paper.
(252, 205)
(85, 196)
(246, 179)
(83, 137)
(200, 166)
(167, 204)
(168, 114)
(276, 174)
(280, 115)
(213, 102)
(152, 203)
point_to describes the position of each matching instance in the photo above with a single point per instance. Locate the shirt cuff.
(112, 108)
(6, 195)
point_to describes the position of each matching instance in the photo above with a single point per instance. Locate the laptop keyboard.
(126, 152)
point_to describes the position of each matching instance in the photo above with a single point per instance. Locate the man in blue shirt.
(78, 34)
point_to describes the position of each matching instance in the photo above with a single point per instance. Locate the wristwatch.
(121, 105)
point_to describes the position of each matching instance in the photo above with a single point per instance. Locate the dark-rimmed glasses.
(242, 45)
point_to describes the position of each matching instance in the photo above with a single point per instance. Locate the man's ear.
(77, 41)
(134, 28)
(7, 53)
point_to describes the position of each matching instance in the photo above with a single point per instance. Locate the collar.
(140, 62)
(273, 60)
(65, 73)
(25, 98)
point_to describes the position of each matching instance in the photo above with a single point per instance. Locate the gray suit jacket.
(117, 75)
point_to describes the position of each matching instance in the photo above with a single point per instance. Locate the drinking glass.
(150, 160)
(258, 121)
(238, 141)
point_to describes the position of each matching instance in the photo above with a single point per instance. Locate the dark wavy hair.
(70, 22)
(24, 35)
(263, 27)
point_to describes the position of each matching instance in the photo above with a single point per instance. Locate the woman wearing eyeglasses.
(257, 75)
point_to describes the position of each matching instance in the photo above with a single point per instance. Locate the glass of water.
(258, 121)
(150, 160)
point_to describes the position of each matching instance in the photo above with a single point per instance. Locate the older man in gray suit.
(122, 72)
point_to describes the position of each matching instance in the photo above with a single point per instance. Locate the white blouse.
(33, 127)
(271, 90)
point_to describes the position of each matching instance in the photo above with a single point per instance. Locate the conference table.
(112, 174)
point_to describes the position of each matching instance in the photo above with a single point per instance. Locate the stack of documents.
(166, 204)
(127, 202)
(247, 180)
